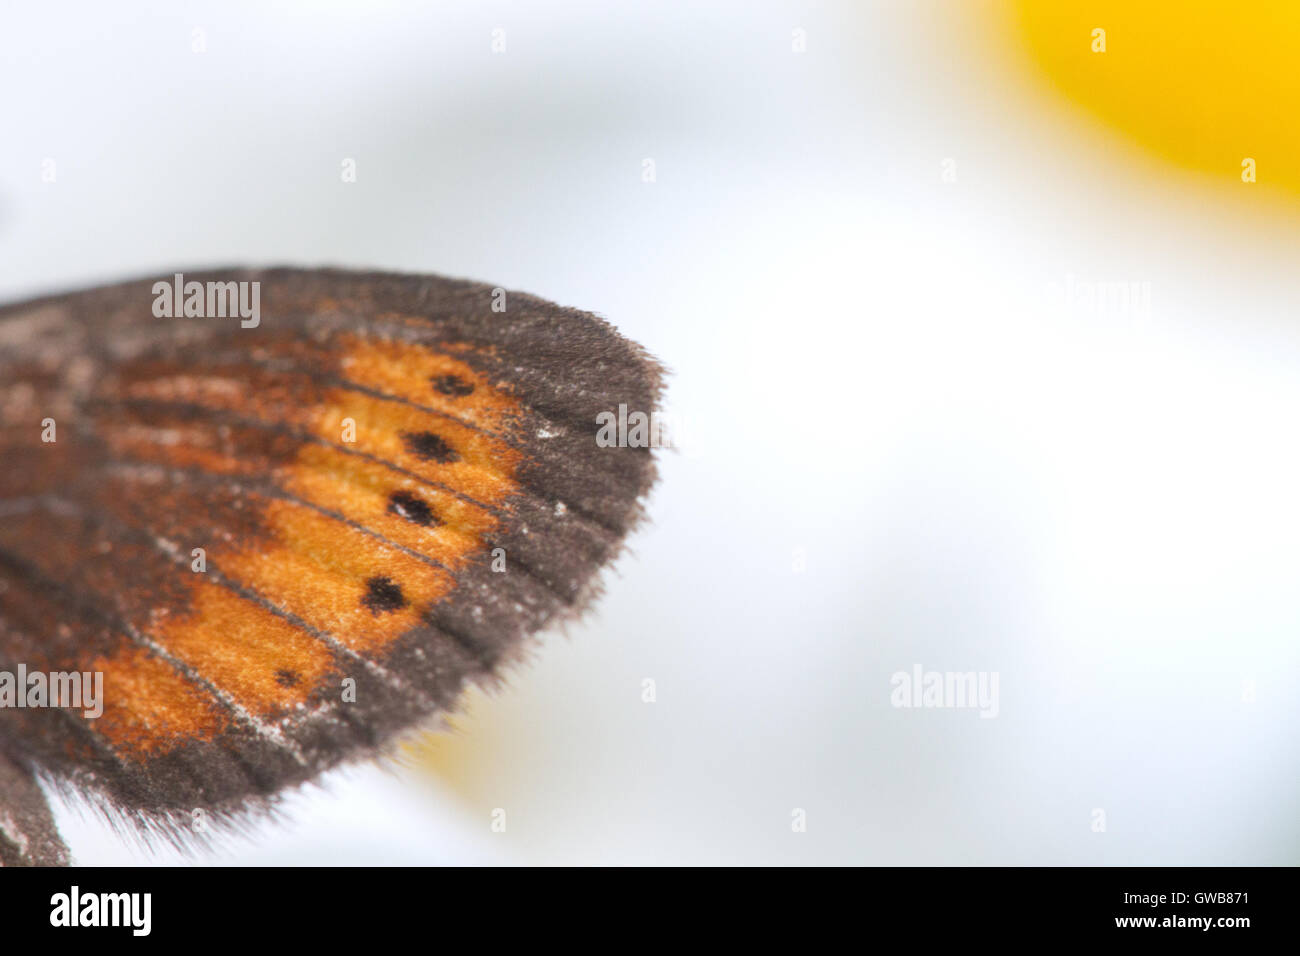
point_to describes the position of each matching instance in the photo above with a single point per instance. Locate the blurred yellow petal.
(1206, 85)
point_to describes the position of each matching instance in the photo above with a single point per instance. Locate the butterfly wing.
(28, 836)
(281, 545)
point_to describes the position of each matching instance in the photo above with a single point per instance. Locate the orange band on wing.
(386, 476)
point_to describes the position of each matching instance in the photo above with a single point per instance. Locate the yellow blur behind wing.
(1205, 84)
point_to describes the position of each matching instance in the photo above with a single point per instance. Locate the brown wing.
(28, 836)
(283, 545)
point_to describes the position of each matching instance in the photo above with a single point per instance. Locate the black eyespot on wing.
(382, 595)
(430, 447)
(286, 678)
(413, 509)
(452, 385)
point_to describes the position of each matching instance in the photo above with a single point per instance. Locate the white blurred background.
(901, 444)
